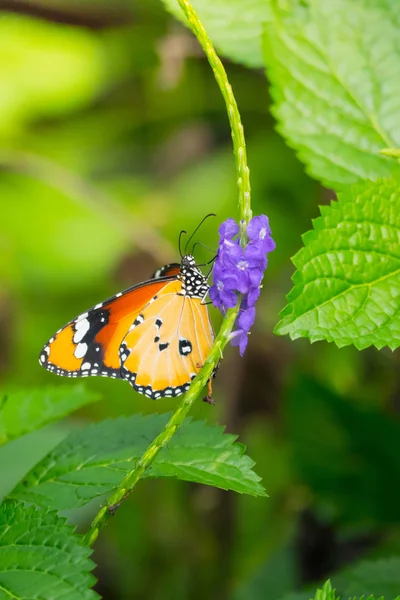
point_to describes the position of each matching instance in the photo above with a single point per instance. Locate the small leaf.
(26, 410)
(335, 74)
(93, 461)
(326, 593)
(40, 557)
(347, 283)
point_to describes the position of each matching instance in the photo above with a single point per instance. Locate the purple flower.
(259, 230)
(240, 338)
(240, 270)
(245, 321)
(228, 229)
(223, 292)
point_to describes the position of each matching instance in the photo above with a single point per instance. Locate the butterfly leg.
(209, 399)
(112, 508)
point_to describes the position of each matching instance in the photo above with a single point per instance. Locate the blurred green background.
(114, 137)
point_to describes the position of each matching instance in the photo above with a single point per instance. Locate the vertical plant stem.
(243, 180)
(239, 143)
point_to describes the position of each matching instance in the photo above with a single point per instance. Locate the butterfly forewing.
(89, 345)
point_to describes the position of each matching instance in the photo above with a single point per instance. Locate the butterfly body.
(155, 335)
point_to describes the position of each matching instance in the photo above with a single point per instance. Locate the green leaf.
(327, 593)
(26, 410)
(93, 461)
(347, 283)
(335, 74)
(40, 558)
(380, 578)
(235, 30)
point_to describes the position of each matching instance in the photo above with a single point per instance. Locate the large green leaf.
(93, 461)
(335, 74)
(40, 557)
(347, 283)
(26, 410)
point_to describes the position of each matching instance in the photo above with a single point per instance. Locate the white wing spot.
(80, 350)
(81, 329)
(85, 366)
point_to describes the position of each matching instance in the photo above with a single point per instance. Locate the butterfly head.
(194, 284)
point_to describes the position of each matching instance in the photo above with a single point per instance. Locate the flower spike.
(240, 270)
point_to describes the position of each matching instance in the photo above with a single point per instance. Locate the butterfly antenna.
(179, 241)
(197, 228)
(203, 246)
(207, 263)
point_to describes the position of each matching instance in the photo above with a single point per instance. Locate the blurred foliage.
(92, 462)
(27, 410)
(113, 138)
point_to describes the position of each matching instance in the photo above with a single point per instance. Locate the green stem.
(239, 143)
(243, 179)
(131, 479)
(391, 152)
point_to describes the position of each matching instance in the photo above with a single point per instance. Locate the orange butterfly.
(156, 335)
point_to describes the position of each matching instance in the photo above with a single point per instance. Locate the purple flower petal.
(243, 281)
(247, 318)
(230, 252)
(253, 296)
(228, 229)
(241, 340)
(223, 292)
(255, 277)
(258, 228)
(255, 254)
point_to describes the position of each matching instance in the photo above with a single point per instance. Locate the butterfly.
(156, 335)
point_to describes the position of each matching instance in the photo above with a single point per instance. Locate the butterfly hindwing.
(167, 346)
(171, 270)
